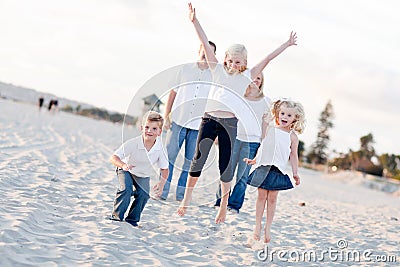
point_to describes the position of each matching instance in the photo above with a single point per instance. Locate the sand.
(57, 188)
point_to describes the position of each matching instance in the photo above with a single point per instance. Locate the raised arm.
(257, 69)
(267, 118)
(209, 50)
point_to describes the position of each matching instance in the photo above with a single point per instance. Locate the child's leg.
(271, 206)
(226, 139)
(190, 148)
(247, 150)
(123, 196)
(191, 182)
(221, 215)
(142, 186)
(204, 142)
(260, 206)
(234, 163)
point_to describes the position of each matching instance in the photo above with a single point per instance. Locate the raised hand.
(192, 12)
(292, 39)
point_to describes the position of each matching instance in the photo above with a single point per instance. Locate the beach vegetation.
(319, 149)
(101, 114)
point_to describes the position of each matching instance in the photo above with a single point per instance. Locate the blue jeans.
(241, 150)
(174, 141)
(125, 190)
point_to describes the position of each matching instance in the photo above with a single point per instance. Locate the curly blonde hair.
(298, 125)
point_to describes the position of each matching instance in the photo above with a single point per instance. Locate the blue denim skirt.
(269, 178)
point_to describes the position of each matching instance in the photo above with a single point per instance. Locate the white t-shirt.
(192, 88)
(250, 120)
(133, 152)
(274, 149)
(227, 91)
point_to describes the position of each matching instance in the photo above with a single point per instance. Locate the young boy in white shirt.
(135, 161)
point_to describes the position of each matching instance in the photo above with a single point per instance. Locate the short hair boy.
(134, 160)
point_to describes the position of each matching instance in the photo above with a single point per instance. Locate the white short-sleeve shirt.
(227, 91)
(145, 163)
(250, 120)
(192, 88)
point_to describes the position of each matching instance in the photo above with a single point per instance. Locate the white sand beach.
(57, 187)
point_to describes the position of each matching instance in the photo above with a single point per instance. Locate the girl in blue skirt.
(277, 147)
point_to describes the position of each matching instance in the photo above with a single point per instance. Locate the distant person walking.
(40, 103)
(53, 105)
(50, 104)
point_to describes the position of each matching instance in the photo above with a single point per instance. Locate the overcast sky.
(102, 51)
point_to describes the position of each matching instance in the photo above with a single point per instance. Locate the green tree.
(116, 117)
(318, 153)
(67, 108)
(366, 146)
(391, 164)
(343, 161)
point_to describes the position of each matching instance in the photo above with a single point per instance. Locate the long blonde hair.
(298, 125)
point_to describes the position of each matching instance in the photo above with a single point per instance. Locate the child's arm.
(257, 69)
(294, 159)
(158, 187)
(266, 120)
(209, 51)
(116, 161)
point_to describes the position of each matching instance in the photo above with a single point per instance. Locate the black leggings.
(212, 127)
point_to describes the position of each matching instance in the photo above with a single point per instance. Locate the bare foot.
(181, 211)
(267, 235)
(182, 207)
(257, 232)
(221, 215)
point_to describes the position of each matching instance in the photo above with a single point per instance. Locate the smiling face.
(235, 63)
(150, 130)
(286, 116)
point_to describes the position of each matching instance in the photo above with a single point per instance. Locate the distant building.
(151, 102)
